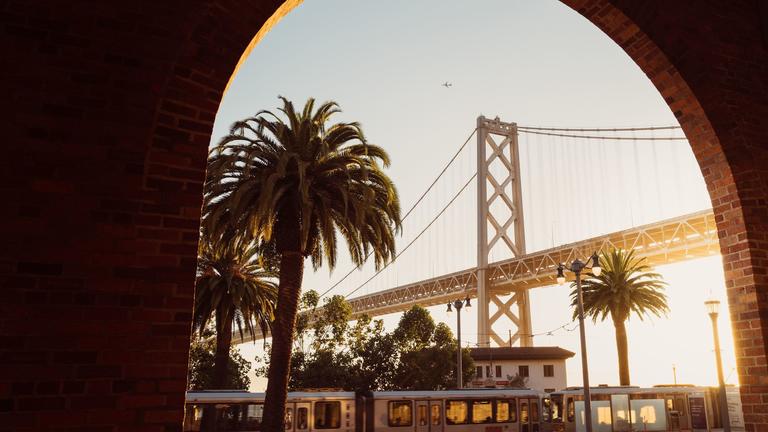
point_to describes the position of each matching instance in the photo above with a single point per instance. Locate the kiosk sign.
(698, 411)
(734, 410)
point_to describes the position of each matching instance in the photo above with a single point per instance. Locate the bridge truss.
(678, 239)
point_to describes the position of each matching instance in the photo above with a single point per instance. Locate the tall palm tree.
(298, 180)
(626, 285)
(233, 290)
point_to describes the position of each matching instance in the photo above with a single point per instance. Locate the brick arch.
(113, 106)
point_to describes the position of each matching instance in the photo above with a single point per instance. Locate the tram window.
(422, 415)
(224, 417)
(327, 415)
(648, 414)
(302, 415)
(524, 411)
(601, 416)
(534, 411)
(620, 412)
(571, 410)
(288, 418)
(400, 413)
(456, 412)
(482, 411)
(193, 414)
(435, 414)
(506, 412)
(556, 409)
(502, 411)
(546, 410)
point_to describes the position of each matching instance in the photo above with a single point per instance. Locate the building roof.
(520, 353)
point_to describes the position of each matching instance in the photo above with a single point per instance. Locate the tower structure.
(500, 214)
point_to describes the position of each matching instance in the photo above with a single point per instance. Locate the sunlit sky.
(531, 62)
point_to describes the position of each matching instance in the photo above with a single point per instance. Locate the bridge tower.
(500, 211)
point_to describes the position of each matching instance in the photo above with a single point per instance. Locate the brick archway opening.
(113, 111)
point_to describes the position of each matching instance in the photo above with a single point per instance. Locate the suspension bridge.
(501, 286)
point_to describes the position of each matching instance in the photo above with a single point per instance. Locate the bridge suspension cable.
(437, 216)
(603, 137)
(408, 213)
(625, 129)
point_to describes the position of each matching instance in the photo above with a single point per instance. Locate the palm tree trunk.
(289, 290)
(223, 344)
(622, 347)
(219, 380)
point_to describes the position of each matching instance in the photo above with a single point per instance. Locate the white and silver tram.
(482, 410)
(631, 409)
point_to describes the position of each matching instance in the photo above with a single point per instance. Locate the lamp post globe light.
(713, 309)
(458, 304)
(577, 266)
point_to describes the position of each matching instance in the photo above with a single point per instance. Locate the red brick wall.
(108, 108)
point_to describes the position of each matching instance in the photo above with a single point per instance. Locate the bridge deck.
(685, 237)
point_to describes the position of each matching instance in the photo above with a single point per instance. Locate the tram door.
(422, 416)
(529, 415)
(435, 416)
(300, 417)
(677, 413)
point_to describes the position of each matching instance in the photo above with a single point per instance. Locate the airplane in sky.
(446, 84)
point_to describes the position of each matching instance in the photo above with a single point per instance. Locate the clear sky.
(530, 62)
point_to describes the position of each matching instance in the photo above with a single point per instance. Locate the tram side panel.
(674, 409)
(473, 414)
(303, 414)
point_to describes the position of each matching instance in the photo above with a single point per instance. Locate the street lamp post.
(576, 267)
(458, 304)
(713, 308)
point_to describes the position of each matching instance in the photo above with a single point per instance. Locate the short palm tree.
(625, 285)
(233, 290)
(299, 181)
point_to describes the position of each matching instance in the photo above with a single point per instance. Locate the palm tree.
(233, 289)
(301, 182)
(625, 285)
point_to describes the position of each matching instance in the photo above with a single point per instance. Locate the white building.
(543, 367)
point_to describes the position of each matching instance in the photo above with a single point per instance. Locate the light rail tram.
(681, 408)
(486, 410)
(670, 408)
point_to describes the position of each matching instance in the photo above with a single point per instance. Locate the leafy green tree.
(626, 285)
(365, 357)
(233, 290)
(375, 353)
(427, 353)
(331, 326)
(300, 181)
(415, 329)
(308, 303)
(201, 365)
